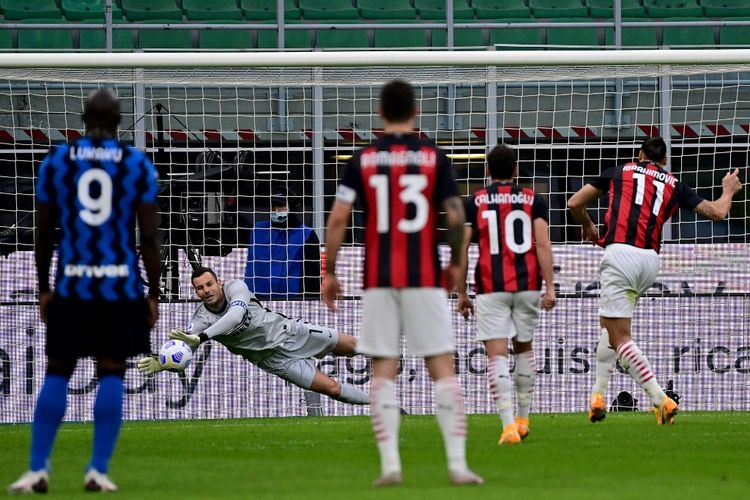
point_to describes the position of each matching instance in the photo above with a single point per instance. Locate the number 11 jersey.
(93, 188)
(401, 181)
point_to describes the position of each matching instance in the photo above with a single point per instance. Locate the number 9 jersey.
(93, 187)
(501, 216)
(401, 181)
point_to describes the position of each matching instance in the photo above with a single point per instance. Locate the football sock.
(107, 421)
(49, 412)
(353, 395)
(524, 376)
(500, 387)
(639, 369)
(606, 357)
(451, 418)
(385, 418)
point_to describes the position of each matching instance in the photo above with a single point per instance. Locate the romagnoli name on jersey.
(664, 177)
(88, 153)
(422, 158)
(519, 198)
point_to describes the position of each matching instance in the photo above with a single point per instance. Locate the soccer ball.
(175, 354)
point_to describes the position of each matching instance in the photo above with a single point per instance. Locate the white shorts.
(293, 360)
(421, 313)
(506, 315)
(627, 272)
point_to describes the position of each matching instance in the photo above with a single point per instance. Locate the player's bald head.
(101, 113)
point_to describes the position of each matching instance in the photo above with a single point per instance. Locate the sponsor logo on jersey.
(105, 271)
(422, 158)
(664, 177)
(240, 303)
(97, 154)
(504, 198)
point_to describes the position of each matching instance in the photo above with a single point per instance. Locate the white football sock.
(498, 374)
(385, 419)
(606, 357)
(639, 369)
(452, 421)
(524, 376)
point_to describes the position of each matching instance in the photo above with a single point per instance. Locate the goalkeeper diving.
(231, 315)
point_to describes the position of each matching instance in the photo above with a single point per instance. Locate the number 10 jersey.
(93, 188)
(401, 181)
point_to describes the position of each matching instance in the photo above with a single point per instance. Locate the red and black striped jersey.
(501, 216)
(401, 182)
(642, 197)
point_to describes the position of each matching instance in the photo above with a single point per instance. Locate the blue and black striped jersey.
(94, 186)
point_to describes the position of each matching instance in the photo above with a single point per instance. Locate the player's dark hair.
(501, 162)
(397, 101)
(101, 114)
(655, 149)
(200, 271)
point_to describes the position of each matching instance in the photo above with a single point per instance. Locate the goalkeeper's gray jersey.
(244, 326)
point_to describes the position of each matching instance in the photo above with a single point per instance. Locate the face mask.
(279, 217)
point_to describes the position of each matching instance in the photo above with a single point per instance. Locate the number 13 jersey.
(501, 216)
(642, 197)
(93, 188)
(401, 182)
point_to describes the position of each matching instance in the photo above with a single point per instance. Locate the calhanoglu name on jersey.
(105, 271)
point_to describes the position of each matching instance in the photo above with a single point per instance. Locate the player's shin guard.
(385, 418)
(498, 373)
(638, 367)
(49, 412)
(524, 377)
(452, 420)
(107, 421)
(606, 357)
(353, 395)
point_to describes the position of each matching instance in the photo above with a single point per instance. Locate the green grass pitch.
(704, 455)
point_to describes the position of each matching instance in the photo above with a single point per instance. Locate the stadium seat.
(225, 39)
(435, 9)
(386, 9)
(146, 10)
(207, 10)
(645, 37)
(293, 39)
(342, 39)
(19, 10)
(500, 9)
(81, 10)
(673, 8)
(726, 8)
(573, 38)
(328, 9)
(400, 39)
(605, 8)
(47, 40)
(264, 10)
(164, 39)
(558, 8)
(735, 36)
(122, 40)
(516, 38)
(461, 38)
(698, 36)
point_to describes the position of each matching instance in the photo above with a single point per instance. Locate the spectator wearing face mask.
(283, 259)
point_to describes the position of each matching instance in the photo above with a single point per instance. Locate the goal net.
(228, 141)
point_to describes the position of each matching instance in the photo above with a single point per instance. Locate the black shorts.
(113, 329)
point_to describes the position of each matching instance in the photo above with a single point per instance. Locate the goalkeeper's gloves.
(150, 365)
(192, 340)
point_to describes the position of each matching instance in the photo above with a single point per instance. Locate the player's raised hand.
(590, 233)
(464, 305)
(149, 365)
(731, 182)
(192, 340)
(331, 290)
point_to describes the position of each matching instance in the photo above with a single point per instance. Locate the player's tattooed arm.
(455, 218)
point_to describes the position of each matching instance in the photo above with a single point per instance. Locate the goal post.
(227, 131)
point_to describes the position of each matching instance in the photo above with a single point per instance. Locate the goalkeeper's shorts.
(114, 329)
